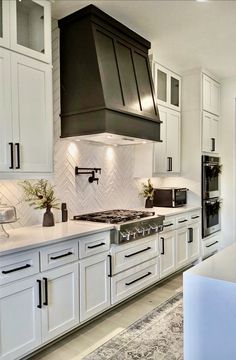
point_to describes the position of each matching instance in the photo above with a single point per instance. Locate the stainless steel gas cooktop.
(128, 224)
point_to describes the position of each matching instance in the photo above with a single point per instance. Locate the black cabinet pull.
(140, 278)
(46, 291)
(40, 294)
(138, 252)
(169, 163)
(163, 246)
(60, 256)
(182, 221)
(95, 246)
(190, 240)
(17, 145)
(110, 265)
(168, 225)
(216, 242)
(195, 217)
(213, 144)
(16, 269)
(11, 156)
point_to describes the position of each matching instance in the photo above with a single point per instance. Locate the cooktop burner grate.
(114, 216)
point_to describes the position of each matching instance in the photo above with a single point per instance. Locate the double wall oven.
(211, 169)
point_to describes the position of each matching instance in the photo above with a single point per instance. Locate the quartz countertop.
(26, 238)
(171, 211)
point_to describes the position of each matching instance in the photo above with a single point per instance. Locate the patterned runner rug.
(156, 336)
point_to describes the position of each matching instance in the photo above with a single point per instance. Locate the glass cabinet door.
(161, 85)
(174, 91)
(31, 29)
(4, 23)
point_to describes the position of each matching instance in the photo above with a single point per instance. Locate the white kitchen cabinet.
(210, 95)
(25, 27)
(60, 311)
(20, 318)
(210, 132)
(167, 253)
(167, 152)
(167, 86)
(194, 235)
(4, 23)
(27, 138)
(94, 286)
(182, 258)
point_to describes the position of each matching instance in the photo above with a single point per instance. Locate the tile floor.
(77, 345)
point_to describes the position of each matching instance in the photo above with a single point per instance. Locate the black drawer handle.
(110, 265)
(16, 269)
(195, 217)
(95, 246)
(40, 294)
(163, 246)
(140, 278)
(182, 221)
(168, 225)
(46, 291)
(11, 156)
(60, 256)
(138, 252)
(216, 242)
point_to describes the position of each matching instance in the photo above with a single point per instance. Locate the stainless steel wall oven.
(211, 202)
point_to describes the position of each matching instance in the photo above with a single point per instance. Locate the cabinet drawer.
(210, 246)
(169, 223)
(182, 220)
(134, 253)
(18, 266)
(94, 244)
(195, 216)
(58, 254)
(133, 280)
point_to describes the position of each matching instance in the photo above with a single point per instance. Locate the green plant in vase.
(148, 192)
(40, 195)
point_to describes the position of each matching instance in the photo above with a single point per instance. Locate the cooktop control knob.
(154, 227)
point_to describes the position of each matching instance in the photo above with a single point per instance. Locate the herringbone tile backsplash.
(116, 188)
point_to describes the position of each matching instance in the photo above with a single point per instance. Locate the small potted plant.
(40, 194)
(148, 192)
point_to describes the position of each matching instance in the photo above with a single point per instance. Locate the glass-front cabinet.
(4, 23)
(167, 87)
(25, 27)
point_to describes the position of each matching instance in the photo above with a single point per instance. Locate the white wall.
(228, 138)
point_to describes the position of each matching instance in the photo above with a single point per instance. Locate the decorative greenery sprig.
(39, 194)
(148, 190)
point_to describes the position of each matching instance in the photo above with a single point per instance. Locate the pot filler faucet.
(88, 171)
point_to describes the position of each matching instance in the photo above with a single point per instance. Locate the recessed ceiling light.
(144, 142)
(109, 136)
(201, 0)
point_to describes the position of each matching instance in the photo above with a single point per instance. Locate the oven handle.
(216, 242)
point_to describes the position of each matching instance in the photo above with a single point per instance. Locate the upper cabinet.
(210, 95)
(210, 133)
(26, 110)
(25, 27)
(167, 86)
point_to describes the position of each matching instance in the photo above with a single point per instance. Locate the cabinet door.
(60, 301)
(160, 162)
(181, 247)
(194, 241)
(4, 23)
(210, 137)
(5, 111)
(167, 253)
(20, 319)
(211, 95)
(31, 28)
(94, 286)
(32, 114)
(173, 142)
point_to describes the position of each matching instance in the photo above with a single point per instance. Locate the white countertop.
(221, 266)
(26, 238)
(30, 237)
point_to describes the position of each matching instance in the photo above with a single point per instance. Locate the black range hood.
(107, 90)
